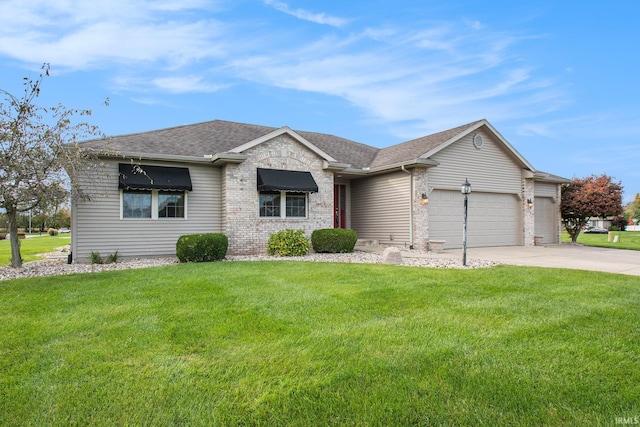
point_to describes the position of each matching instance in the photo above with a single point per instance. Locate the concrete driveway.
(560, 256)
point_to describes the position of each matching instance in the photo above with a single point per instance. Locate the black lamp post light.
(466, 190)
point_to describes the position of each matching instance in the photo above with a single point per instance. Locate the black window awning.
(291, 181)
(154, 178)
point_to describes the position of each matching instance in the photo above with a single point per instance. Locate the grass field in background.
(626, 240)
(297, 343)
(31, 247)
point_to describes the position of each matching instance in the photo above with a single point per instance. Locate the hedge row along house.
(249, 181)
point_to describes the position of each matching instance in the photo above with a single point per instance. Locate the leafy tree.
(620, 222)
(593, 196)
(633, 209)
(38, 153)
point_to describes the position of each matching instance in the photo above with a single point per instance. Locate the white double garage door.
(494, 219)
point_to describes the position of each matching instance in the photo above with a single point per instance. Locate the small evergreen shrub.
(52, 232)
(288, 243)
(203, 247)
(334, 240)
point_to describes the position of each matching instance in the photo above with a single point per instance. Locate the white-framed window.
(282, 204)
(153, 204)
(136, 204)
(171, 204)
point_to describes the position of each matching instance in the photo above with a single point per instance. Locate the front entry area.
(340, 206)
(494, 219)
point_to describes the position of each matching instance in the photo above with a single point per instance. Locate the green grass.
(626, 240)
(294, 343)
(32, 248)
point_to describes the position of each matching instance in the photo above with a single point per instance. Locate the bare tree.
(38, 153)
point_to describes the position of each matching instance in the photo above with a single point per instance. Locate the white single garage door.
(494, 219)
(546, 220)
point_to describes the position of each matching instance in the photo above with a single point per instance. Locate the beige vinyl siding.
(97, 225)
(380, 208)
(489, 169)
(545, 189)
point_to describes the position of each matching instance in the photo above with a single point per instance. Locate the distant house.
(249, 181)
(600, 222)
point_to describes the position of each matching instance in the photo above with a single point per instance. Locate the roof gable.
(416, 148)
(427, 146)
(283, 130)
(474, 126)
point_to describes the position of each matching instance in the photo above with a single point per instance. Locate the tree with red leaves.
(593, 196)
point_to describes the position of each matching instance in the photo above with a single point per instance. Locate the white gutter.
(158, 157)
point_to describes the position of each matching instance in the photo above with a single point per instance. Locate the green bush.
(202, 247)
(96, 258)
(334, 240)
(288, 243)
(621, 222)
(112, 258)
(52, 232)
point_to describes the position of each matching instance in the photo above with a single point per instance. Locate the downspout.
(410, 206)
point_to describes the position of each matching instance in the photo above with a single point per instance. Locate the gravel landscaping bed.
(53, 266)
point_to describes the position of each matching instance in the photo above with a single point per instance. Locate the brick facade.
(421, 212)
(528, 217)
(248, 233)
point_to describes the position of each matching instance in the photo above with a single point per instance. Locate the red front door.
(339, 206)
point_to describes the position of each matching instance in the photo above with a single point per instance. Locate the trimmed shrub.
(288, 243)
(52, 232)
(203, 247)
(334, 240)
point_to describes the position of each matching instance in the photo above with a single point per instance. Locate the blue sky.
(558, 79)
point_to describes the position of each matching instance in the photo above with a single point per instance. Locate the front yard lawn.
(626, 240)
(297, 343)
(32, 248)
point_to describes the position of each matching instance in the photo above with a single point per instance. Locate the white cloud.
(186, 84)
(80, 35)
(429, 76)
(426, 79)
(318, 18)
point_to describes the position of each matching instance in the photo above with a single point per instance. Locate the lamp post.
(465, 189)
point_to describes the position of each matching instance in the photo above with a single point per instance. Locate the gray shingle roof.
(417, 147)
(219, 136)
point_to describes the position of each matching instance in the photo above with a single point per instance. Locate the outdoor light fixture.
(466, 187)
(466, 190)
(424, 199)
(529, 203)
